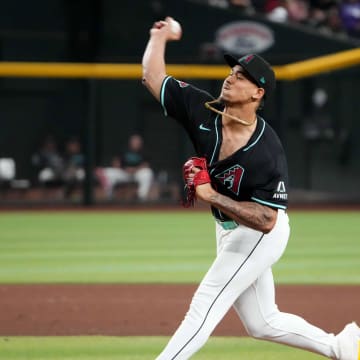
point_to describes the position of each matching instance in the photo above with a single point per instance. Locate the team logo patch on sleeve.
(231, 178)
(280, 192)
(182, 84)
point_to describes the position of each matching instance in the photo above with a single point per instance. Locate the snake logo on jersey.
(231, 178)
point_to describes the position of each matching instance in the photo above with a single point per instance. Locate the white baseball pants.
(241, 276)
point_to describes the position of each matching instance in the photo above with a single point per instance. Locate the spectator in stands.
(7, 170)
(295, 11)
(222, 4)
(243, 5)
(276, 11)
(109, 176)
(350, 16)
(320, 14)
(333, 22)
(74, 172)
(48, 163)
(132, 166)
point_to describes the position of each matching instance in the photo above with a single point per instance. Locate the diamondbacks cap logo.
(231, 178)
(247, 59)
(182, 84)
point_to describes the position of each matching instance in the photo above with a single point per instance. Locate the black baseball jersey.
(256, 172)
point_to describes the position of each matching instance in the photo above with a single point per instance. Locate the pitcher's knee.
(257, 333)
(259, 330)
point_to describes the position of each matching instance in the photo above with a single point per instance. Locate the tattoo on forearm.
(248, 213)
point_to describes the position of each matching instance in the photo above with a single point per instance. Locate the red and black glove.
(193, 180)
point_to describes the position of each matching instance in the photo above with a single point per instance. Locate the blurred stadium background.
(315, 116)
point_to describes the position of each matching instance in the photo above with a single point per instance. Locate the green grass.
(118, 247)
(140, 348)
(40, 247)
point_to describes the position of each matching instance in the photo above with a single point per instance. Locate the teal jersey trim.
(217, 140)
(269, 203)
(258, 138)
(162, 94)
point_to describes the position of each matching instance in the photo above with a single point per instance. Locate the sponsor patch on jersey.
(231, 178)
(182, 84)
(280, 192)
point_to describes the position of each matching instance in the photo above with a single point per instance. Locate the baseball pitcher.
(240, 171)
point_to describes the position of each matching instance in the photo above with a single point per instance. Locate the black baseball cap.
(258, 69)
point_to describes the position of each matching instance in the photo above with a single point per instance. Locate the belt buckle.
(228, 225)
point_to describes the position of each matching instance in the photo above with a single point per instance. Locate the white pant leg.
(144, 177)
(243, 255)
(262, 319)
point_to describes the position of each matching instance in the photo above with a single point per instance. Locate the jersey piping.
(217, 139)
(258, 138)
(246, 148)
(268, 203)
(162, 94)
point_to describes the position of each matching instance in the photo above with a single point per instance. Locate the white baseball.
(175, 27)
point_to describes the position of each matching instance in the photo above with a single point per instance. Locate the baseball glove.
(193, 180)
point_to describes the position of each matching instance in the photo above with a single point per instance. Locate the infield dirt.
(120, 310)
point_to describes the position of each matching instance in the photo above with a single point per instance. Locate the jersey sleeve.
(274, 192)
(183, 101)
